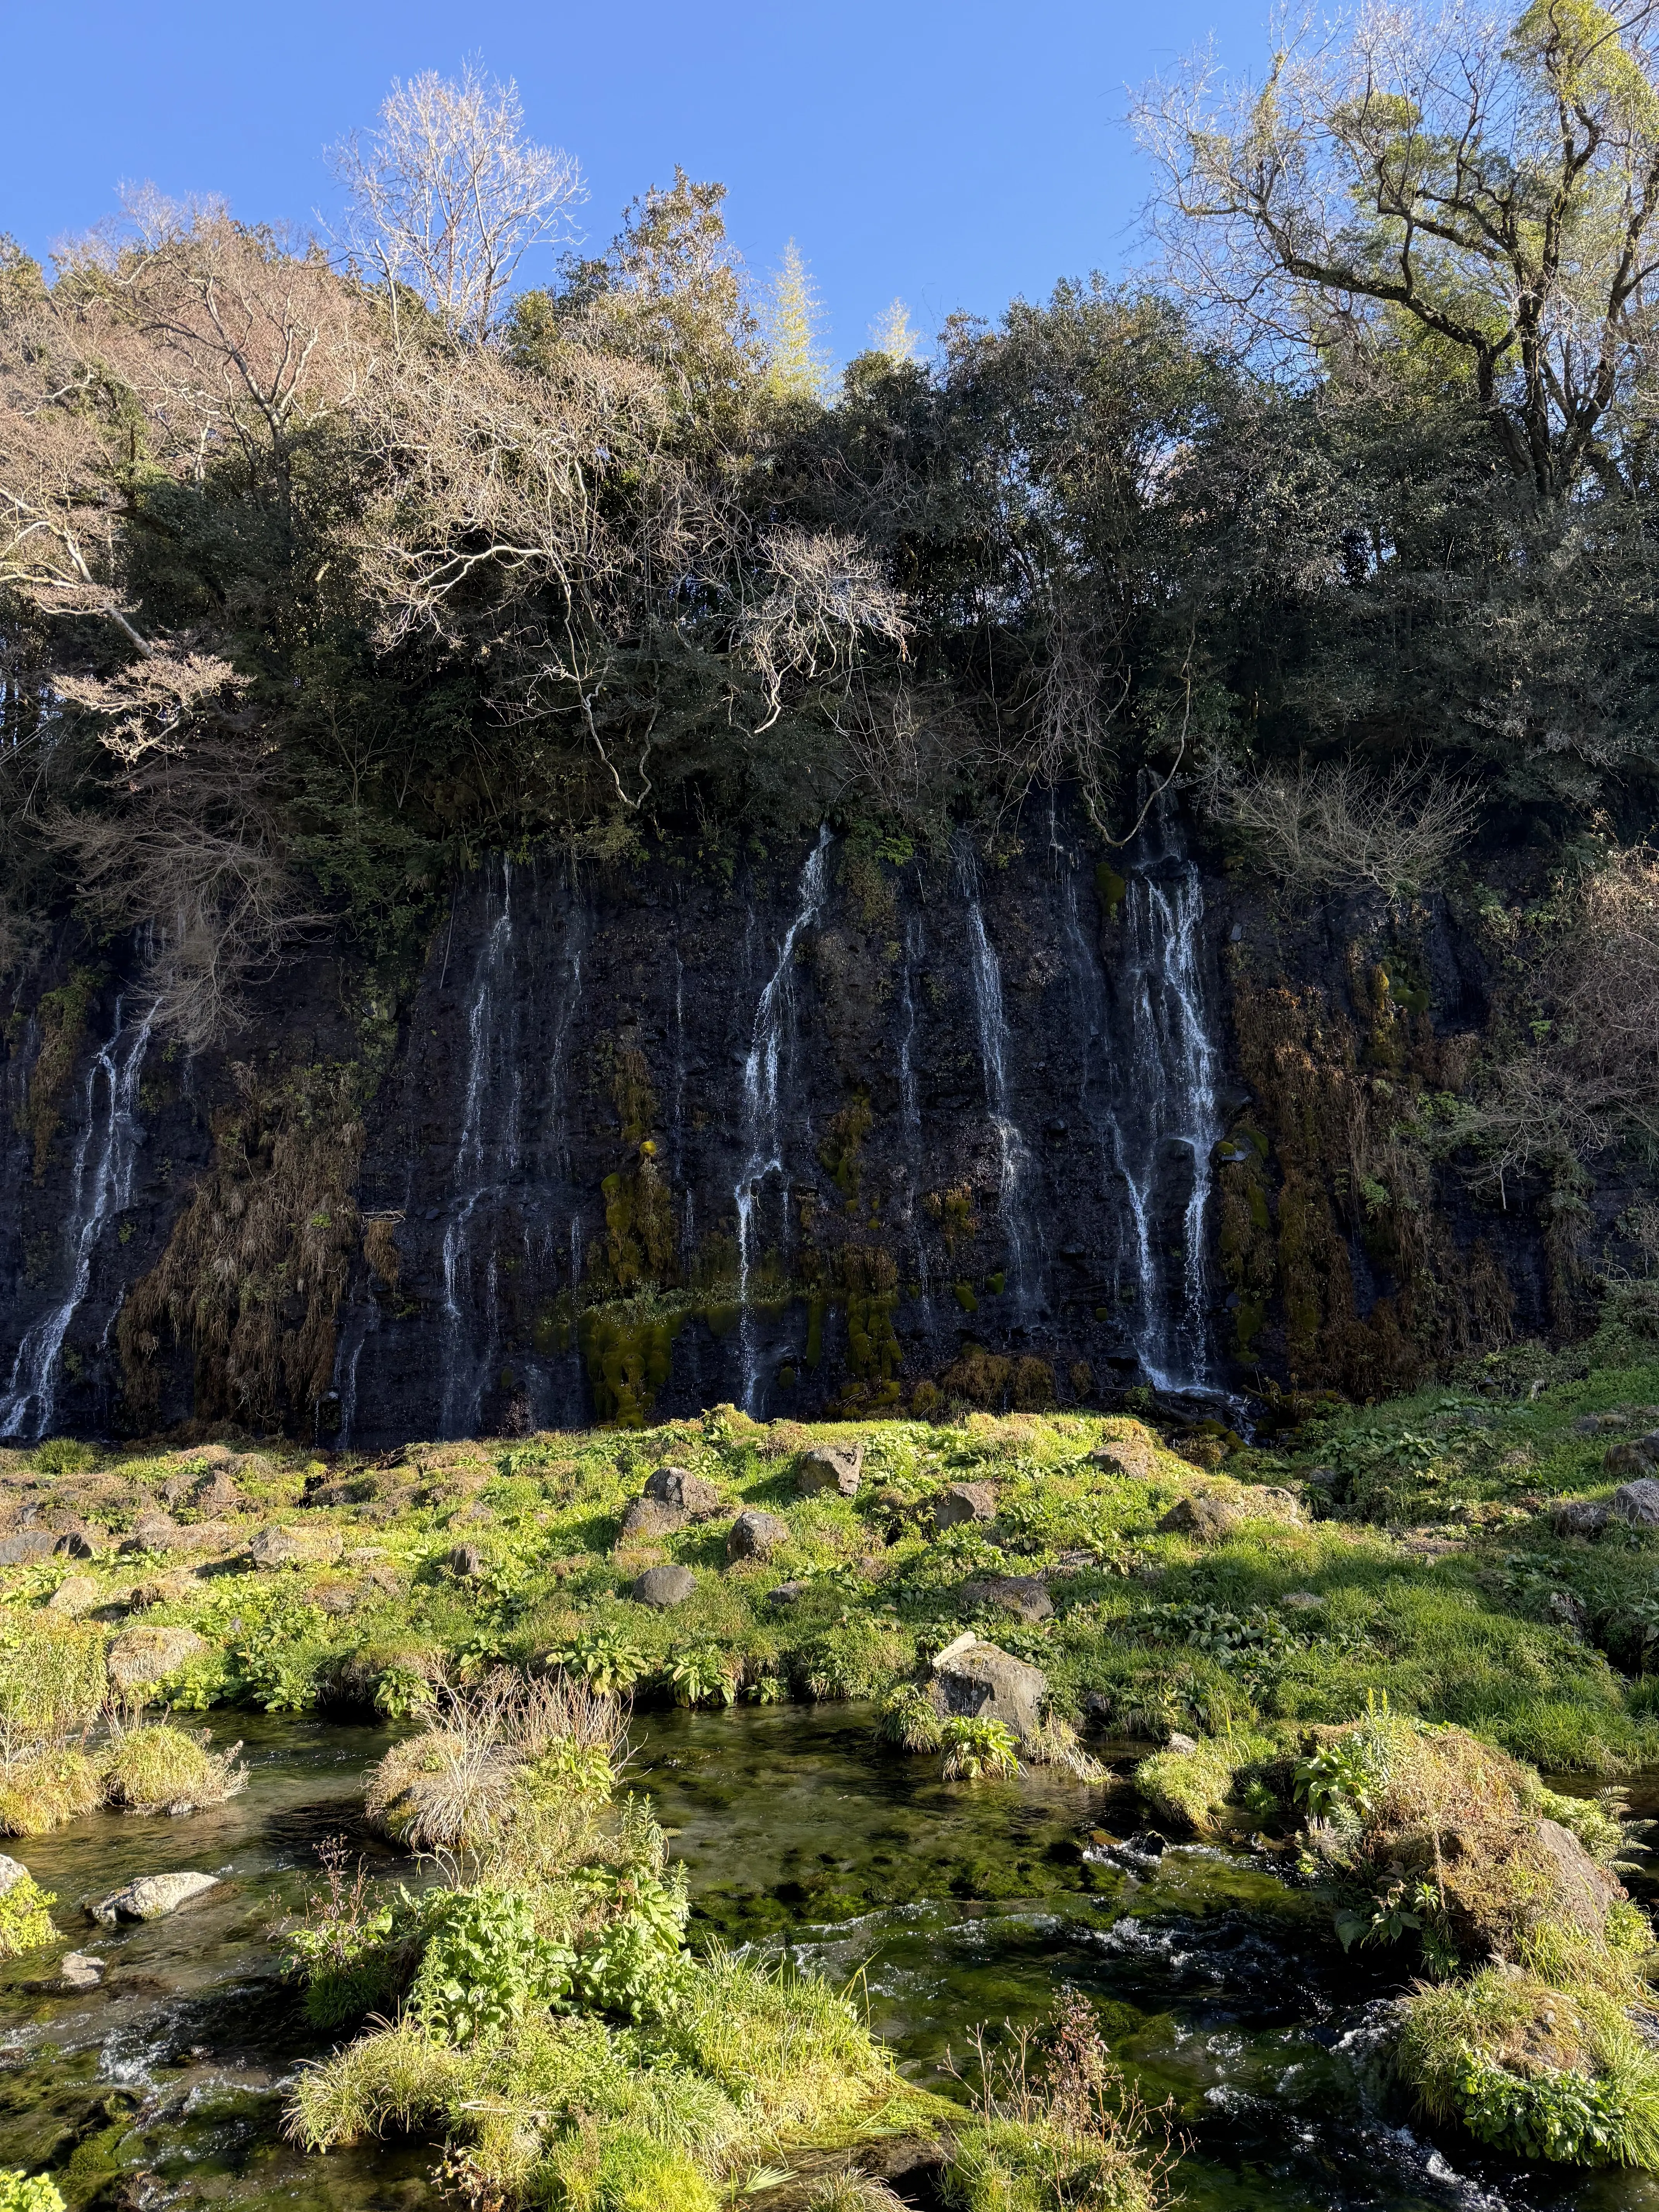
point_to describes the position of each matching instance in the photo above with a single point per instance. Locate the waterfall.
(101, 1186)
(993, 1047)
(463, 1376)
(911, 1108)
(774, 1030)
(1167, 1115)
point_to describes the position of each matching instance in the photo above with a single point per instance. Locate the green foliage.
(976, 1749)
(703, 1675)
(402, 1693)
(1568, 2117)
(484, 1964)
(606, 1658)
(26, 1922)
(24, 2192)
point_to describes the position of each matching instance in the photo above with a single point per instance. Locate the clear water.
(1222, 1988)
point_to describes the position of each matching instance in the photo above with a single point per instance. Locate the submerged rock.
(680, 1492)
(755, 1536)
(79, 1971)
(964, 1502)
(144, 1654)
(663, 1587)
(839, 1468)
(152, 1896)
(982, 1681)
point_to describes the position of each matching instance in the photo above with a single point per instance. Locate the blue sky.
(955, 156)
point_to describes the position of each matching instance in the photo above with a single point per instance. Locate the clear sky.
(954, 155)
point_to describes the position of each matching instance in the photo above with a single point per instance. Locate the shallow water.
(1222, 1988)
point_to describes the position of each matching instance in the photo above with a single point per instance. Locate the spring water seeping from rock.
(101, 1186)
(995, 1054)
(770, 1039)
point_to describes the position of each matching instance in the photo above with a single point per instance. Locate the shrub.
(146, 1769)
(25, 1917)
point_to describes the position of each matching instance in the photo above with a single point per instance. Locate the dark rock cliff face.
(851, 1131)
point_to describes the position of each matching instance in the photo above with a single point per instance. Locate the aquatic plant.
(28, 2192)
(976, 1748)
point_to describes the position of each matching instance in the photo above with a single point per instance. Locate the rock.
(980, 1681)
(12, 1871)
(144, 1654)
(73, 1595)
(964, 1502)
(296, 1547)
(336, 1598)
(1638, 1503)
(663, 1587)
(1322, 1477)
(786, 1593)
(77, 1544)
(1130, 1449)
(1304, 1600)
(647, 1518)
(154, 1532)
(1208, 1515)
(693, 1495)
(1595, 1424)
(152, 1896)
(1584, 1890)
(162, 1590)
(217, 1493)
(829, 1466)
(1025, 1595)
(465, 1562)
(755, 1536)
(78, 1972)
(1579, 1516)
(1563, 1608)
(1181, 1745)
(21, 1550)
(1637, 1456)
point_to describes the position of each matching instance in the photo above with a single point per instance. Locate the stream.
(1222, 1990)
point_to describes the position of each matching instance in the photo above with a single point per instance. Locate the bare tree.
(448, 196)
(1492, 185)
(1337, 827)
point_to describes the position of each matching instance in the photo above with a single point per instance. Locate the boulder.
(829, 1466)
(1208, 1515)
(296, 1547)
(22, 1550)
(152, 1896)
(755, 1536)
(77, 1544)
(144, 1654)
(1563, 1608)
(465, 1562)
(163, 1589)
(1637, 1456)
(1025, 1595)
(1180, 1744)
(12, 1871)
(980, 1681)
(77, 1972)
(1579, 1516)
(73, 1595)
(1638, 1503)
(1129, 1450)
(786, 1593)
(1595, 1424)
(678, 1488)
(647, 1518)
(962, 1502)
(663, 1587)
(1584, 1890)
(154, 1532)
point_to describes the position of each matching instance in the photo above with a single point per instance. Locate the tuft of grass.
(158, 1767)
(1198, 1790)
(45, 1785)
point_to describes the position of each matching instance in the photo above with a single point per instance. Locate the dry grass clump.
(160, 1768)
(43, 1786)
(53, 1682)
(471, 1777)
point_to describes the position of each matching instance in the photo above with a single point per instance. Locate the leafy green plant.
(976, 1748)
(703, 1675)
(484, 1964)
(1569, 2116)
(605, 1660)
(401, 1692)
(1337, 1780)
(25, 1917)
(28, 2192)
(633, 1966)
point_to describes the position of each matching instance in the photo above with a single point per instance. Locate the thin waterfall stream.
(101, 1186)
(773, 1032)
(994, 1050)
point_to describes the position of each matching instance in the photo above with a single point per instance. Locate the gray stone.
(12, 1871)
(296, 1547)
(152, 1896)
(786, 1593)
(964, 1502)
(154, 1532)
(465, 1562)
(829, 1466)
(1639, 1456)
(664, 1586)
(1583, 1890)
(1025, 1595)
(1595, 1424)
(77, 1544)
(1180, 1744)
(650, 1517)
(693, 1495)
(1563, 1608)
(77, 1972)
(1205, 1514)
(755, 1536)
(1638, 1503)
(144, 1654)
(1322, 1477)
(1579, 1516)
(21, 1550)
(980, 1681)
(1304, 1600)
(73, 1595)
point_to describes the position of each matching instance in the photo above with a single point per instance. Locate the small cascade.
(485, 1156)
(993, 1047)
(770, 1038)
(911, 1108)
(104, 1155)
(1167, 1118)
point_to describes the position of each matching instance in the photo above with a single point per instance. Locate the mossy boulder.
(145, 1654)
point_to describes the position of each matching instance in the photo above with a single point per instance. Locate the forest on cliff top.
(326, 569)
